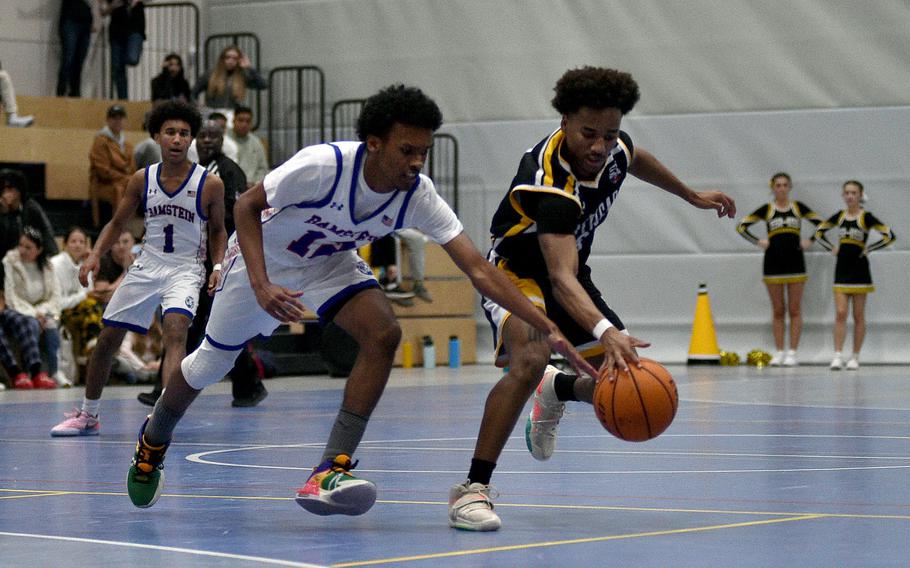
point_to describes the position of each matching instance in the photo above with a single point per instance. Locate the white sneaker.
(837, 363)
(2, 387)
(852, 364)
(543, 421)
(470, 508)
(777, 359)
(17, 121)
(790, 359)
(61, 380)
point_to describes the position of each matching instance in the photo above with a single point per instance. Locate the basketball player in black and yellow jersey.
(784, 268)
(542, 234)
(852, 275)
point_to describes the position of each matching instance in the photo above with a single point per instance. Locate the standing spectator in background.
(250, 151)
(170, 84)
(126, 32)
(8, 100)
(784, 266)
(17, 210)
(111, 162)
(225, 86)
(148, 151)
(852, 275)
(228, 146)
(30, 288)
(78, 20)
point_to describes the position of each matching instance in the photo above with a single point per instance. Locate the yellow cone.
(703, 348)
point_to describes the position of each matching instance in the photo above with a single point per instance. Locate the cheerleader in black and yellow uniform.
(852, 277)
(784, 265)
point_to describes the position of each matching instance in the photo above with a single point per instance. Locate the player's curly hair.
(397, 103)
(596, 88)
(174, 110)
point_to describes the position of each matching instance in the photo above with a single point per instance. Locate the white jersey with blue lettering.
(320, 204)
(175, 225)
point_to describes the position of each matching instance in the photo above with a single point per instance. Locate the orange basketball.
(638, 405)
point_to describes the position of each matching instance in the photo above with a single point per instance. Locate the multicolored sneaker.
(543, 421)
(470, 508)
(77, 423)
(332, 490)
(146, 476)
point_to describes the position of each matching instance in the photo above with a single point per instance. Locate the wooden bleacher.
(62, 138)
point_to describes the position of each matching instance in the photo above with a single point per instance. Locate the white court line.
(259, 559)
(790, 404)
(200, 457)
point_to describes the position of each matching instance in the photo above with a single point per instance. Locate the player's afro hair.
(397, 103)
(174, 110)
(596, 88)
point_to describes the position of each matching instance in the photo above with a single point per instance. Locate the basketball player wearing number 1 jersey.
(184, 212)
(304, 223)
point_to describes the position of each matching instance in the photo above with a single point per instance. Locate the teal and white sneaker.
(543, 421)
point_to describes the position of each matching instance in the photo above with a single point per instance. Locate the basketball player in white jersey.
(184, 212)
(295, 247)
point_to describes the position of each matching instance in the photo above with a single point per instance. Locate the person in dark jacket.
(18, 210)
(170, 84)
(126, 32)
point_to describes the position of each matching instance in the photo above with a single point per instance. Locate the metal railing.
(170, 27)
(249, 44)
(344, 119)
(442, 160)
(296, 110)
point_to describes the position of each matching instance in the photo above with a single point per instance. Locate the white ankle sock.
(91, 406)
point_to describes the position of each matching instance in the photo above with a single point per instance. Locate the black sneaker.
(150, 398)
(395, 292)
(259, 394)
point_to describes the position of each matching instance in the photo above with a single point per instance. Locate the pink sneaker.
(77, 423)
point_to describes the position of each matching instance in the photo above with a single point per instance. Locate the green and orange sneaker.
(146, 476)
(332, 490)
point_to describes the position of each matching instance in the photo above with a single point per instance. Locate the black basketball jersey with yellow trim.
(544, 170)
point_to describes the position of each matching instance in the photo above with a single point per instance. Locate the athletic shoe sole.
(352, 500)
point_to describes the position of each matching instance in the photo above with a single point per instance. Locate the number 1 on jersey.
(302, 245)
(169, 238)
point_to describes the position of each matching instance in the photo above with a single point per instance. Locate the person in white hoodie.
(66, 268)
(31, 289)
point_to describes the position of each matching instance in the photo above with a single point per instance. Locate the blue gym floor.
(773, 467)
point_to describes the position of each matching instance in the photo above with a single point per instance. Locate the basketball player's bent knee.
(207, 365)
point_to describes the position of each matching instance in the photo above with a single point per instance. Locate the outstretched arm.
(561, 257)
(280, 303)
(647, 168)
(214, 194)
(132, 197)
(494, 284)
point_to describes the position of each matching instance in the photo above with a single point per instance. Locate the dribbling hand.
(619, 352)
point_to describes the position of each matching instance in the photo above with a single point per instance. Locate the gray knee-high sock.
(346, 434)
(161, 424)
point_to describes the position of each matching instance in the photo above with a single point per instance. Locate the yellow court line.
(34, 494)
(572, 541)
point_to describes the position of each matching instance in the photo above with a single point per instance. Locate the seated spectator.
(18, 326)
(18, 210)
(110, 163)
(148, 151)
(225, 86)
(170, 84)
(228, 146)
(31, 289)
(80, 315)
(8, 99)
(113, 267)
(250, 151)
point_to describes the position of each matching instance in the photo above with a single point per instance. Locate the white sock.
(837, 354)
(856, 356)
(791, 353)
(90, 406)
